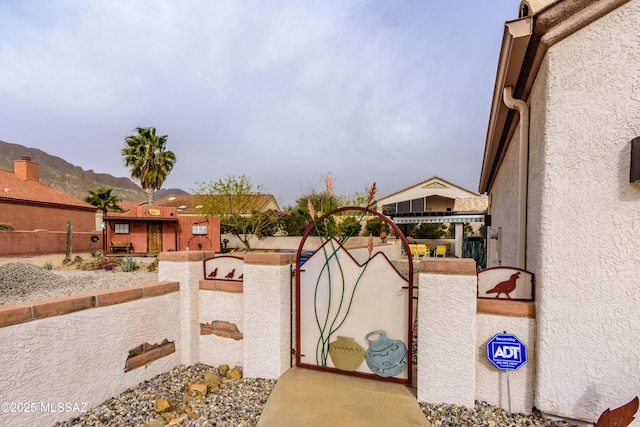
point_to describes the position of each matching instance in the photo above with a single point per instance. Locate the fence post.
(447, 331)
(186, 268)
(267, 314)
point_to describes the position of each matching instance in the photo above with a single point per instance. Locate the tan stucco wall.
(583, 217)
(503, 206)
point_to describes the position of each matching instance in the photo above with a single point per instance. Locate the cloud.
(282, 92)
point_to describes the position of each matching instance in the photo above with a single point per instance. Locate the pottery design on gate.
(385, 357)
(346, 354)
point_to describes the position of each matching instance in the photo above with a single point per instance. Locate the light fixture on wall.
(634, 174)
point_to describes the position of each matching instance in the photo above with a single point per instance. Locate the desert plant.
(128, 264)
(475, 250)
(48, 266)
(5, 226)
(108, 266)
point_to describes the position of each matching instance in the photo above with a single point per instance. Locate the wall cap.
(270, 258)
(185, 256)
(460, 266)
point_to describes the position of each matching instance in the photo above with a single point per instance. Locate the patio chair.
(441, 251)
(420, 251)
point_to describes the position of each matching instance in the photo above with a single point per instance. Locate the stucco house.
(148, 229)
(28, 205)
(435, 200)
(556, 169)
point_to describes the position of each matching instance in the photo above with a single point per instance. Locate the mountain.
(73, 180)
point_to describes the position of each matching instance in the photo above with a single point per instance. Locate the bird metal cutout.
(230, 275)
(619, 417)
(214, 273)
(505, 287)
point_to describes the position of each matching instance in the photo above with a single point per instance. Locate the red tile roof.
(17, 189)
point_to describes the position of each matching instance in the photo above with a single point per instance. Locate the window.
(122, 228)
(198, 229)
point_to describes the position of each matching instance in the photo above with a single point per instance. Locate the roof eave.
(515, 42)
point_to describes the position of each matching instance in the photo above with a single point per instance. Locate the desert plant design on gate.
(347, 296)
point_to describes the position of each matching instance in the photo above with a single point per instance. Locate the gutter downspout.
(523, 165)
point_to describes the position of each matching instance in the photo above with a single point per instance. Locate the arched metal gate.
(354, 308)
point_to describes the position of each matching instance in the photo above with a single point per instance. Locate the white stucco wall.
(447, 339)
(266, 320)
(80, 357)
(188, 274)
(227, 307)
(584, 218)
(491, 382)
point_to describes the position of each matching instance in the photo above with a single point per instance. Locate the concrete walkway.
(304, 397)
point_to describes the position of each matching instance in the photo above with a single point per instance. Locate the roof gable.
(434, 186)
(17, 189)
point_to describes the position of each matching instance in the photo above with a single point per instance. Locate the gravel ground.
(22, 282)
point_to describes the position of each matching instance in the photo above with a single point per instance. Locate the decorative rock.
(198, 386)
(234, 374)
(156, 422)
(212, 380)
(162, 405)
(223, 369)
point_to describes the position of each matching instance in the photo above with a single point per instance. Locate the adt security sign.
(506, 351)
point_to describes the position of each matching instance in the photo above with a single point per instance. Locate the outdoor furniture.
(441, 251)
(428, 245)
(121, 247)
(418, 250)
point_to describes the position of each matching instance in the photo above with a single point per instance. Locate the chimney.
(26, 169)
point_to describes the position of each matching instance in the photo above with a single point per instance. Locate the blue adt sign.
(506, 351)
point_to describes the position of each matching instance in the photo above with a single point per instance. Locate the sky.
(283, 92)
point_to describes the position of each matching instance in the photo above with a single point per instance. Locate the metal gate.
(354, 308)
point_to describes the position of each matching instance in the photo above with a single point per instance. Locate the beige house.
(435, 200)
(556, 169)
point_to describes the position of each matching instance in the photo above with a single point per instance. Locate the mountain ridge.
(57, 173)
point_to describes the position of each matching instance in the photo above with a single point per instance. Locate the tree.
(428, 231)
(295, 223)
(149, 160)
(236, 201)
(104, 200)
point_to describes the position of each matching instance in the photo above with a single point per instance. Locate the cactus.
(476, 251)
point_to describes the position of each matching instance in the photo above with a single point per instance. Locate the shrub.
(128, 264)
(48, 266)
(108, 266)
(5, 226)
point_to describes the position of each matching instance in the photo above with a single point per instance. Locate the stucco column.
(267, 314)
(459, 232)
(186, 268)
(447, 331)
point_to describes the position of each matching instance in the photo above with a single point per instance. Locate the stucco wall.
(47, 242)
(491, 383)
(227, 307)
(588, 264)
(29, 217)
(80, 357)
(503, 209)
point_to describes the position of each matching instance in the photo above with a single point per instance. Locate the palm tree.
(103, 200)
(148, 158)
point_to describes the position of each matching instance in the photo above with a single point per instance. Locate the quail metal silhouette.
(505, 287)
